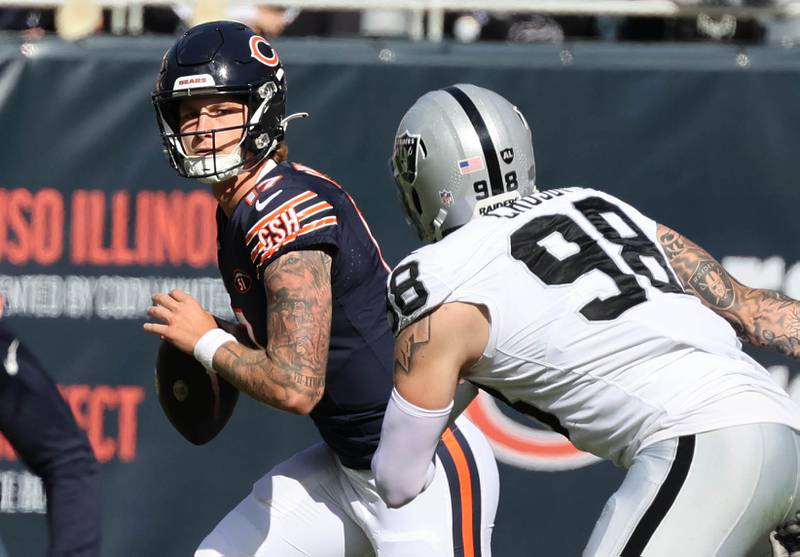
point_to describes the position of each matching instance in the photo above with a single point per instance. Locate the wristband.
(207, 346)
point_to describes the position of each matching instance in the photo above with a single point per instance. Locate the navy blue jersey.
(294, 207)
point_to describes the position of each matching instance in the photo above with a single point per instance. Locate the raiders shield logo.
(710, 281)
(507, 155)
(406, 150)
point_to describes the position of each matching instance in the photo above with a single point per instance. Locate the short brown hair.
(281, 153)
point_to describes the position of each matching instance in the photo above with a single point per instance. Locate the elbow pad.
(403, 463)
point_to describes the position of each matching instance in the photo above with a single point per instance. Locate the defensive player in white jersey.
(575, 308)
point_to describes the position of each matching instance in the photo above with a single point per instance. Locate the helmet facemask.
(254, 142)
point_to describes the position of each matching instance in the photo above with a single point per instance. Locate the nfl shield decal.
(446, 197)
(406, 151)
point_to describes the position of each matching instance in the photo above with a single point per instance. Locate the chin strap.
(214, 168)
(437, 224)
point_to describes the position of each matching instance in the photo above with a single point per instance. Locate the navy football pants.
(40, 426)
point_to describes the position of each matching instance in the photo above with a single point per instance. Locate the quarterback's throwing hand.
(183, 319)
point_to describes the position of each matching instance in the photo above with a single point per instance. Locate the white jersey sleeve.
(414, 288)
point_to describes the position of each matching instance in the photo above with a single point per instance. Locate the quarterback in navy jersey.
(296, 208)
(306, 281)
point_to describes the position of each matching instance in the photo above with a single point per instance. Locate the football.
(197, 403)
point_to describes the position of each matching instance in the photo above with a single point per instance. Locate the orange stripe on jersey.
(314, 209)
(465, 485)
(321, 223)
(293, 202)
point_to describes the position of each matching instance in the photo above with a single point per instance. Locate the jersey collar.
(269, 166)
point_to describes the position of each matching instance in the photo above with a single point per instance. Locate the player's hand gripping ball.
(196, 402)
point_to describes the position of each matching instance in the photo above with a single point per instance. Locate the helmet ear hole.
(416, 200)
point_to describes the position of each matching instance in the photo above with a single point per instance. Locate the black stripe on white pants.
(720, 496)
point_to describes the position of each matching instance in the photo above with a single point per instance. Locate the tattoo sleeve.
(763, 318)
(411, 339)
(290, 373)
(236, 330)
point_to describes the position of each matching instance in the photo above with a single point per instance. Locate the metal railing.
(127, 15)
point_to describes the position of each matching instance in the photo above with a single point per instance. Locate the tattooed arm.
(235, 329)
(763, 318)
(290, 373)
(431, 353)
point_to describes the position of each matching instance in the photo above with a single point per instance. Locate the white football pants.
(718, 493)
(310, 505)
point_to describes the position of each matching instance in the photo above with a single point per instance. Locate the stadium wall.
(92, 220)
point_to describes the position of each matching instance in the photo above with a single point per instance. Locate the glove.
(785, 539)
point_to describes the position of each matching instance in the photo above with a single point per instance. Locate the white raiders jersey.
(591, 331)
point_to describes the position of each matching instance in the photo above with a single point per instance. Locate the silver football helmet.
(459, 152)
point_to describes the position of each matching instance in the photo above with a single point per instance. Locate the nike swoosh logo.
(261, 203)
(10, 363)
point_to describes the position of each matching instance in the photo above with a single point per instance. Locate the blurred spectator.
(271, 21)
(78, 19)
(385, 23)
(303, 23)
(701, 28)
(274, 20)
(34, 22)
(525, 28)
(704, 27)
(157, 20)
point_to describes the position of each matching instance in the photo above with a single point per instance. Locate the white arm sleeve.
(403, 463)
